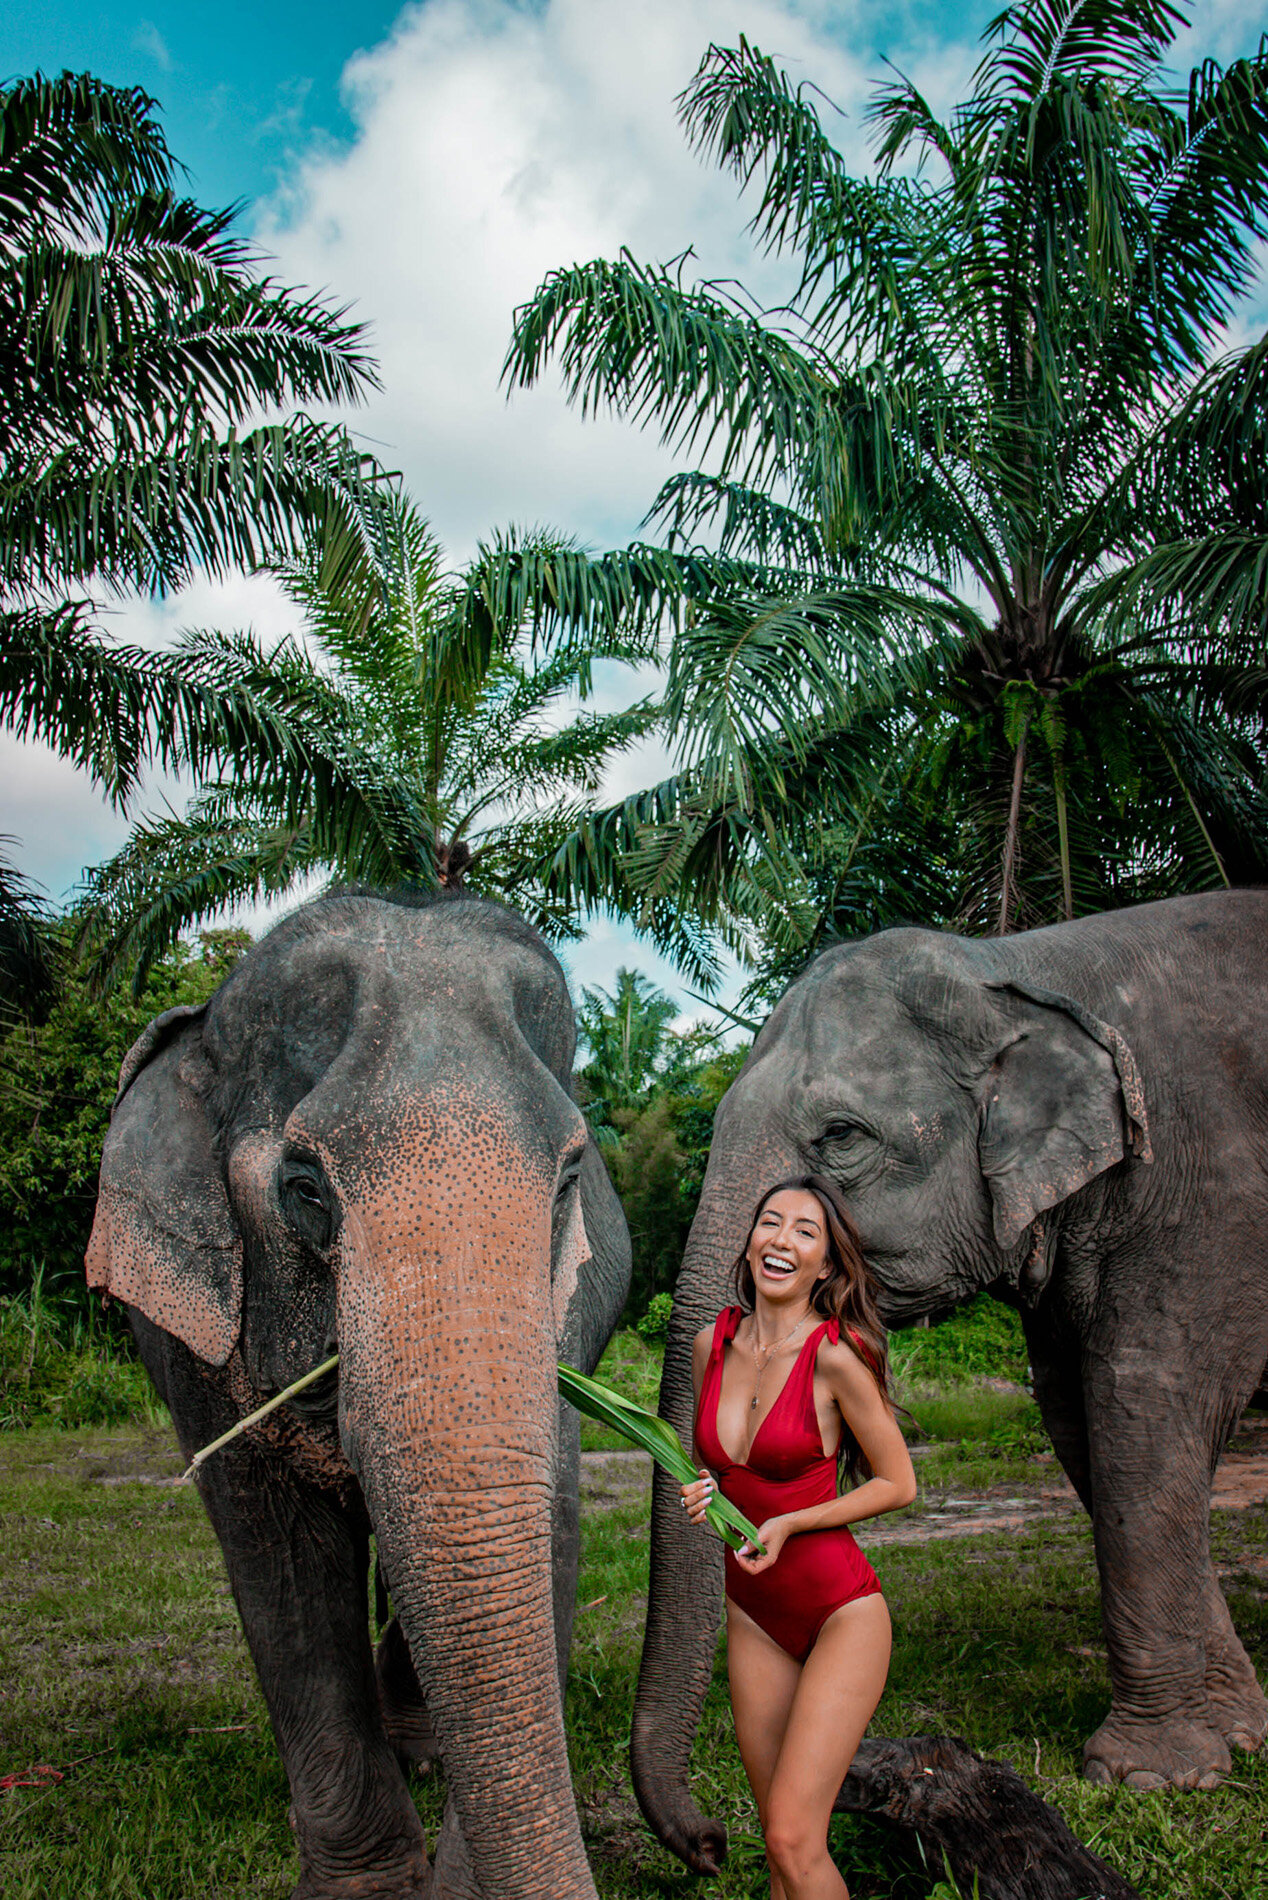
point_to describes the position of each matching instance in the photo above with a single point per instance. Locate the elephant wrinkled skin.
(366, 1143)
(1076, 1118)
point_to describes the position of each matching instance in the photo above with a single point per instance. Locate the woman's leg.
(832, 1705)
(764, 1681)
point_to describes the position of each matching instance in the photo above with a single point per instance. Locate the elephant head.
(961, 1107)
(366, 1143)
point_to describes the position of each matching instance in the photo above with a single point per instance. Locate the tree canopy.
(456, 759)
(964, 611)
(140, 346)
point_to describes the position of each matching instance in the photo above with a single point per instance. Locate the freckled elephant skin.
(1077, 1119)
(367, 1143)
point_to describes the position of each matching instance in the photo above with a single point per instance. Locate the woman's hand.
(774, 1534)
(698, 1496)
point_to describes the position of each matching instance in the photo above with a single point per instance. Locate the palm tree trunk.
(1008, 876)
(1063, 834)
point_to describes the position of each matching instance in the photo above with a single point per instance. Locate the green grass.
(630, 1365)
(64, 1364)
(119, 1643)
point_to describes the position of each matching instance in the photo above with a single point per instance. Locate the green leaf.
(654, 1435)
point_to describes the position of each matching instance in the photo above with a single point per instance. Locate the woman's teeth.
(772, 1265)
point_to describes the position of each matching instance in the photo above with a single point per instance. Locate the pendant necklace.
(781, 1341)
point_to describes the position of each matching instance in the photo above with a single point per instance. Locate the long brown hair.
(846, 1294)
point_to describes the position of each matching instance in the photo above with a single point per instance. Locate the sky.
(428, 165)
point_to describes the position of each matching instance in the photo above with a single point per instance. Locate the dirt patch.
(1241, 1481)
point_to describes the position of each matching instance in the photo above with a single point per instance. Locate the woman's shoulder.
(723, 1327)
(845, 1353)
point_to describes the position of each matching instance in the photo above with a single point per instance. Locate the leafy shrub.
(654, 1325)
(59, 1081)
(60, 1365)
(982, 1340)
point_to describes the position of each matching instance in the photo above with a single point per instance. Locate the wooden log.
(981, 1815)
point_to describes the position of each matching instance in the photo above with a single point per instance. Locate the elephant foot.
(409, 1884)
(405, 1719)
(1172, 1751)
(1239, 1710)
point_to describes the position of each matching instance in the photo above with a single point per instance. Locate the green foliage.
(654, 1325)
(650, 1094)
(425, 750)
(60, 1080)
(139, 342)
(979, 640)
(980, 1340)
(61, 1364)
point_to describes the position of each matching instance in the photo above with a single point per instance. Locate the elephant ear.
(164, 1239)
(1064, 1102)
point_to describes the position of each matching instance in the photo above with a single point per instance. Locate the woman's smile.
(788, 1247)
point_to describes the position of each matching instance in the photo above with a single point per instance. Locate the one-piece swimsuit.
(786, 1470)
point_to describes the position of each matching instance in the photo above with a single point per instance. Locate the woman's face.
(788, 1248)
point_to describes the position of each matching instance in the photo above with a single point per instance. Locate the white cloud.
(493, 145)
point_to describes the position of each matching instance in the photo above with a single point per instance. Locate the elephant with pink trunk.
(366, 1143)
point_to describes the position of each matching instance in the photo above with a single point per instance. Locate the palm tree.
(460, 760)
(137, 344)
(984, 603)
(629, 1046)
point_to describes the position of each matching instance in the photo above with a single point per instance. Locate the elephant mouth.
(318, 1403)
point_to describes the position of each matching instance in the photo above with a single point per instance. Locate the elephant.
(366, 1143)
(1076, 1119)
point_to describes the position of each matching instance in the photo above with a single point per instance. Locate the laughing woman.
(785, 1381)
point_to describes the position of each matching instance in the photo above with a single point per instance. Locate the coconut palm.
(138, 343)
(985, 588)
(460, 762)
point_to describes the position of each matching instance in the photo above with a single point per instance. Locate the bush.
(60, 1365)
(59, 1082)
(979, 1341)
(654, 1325)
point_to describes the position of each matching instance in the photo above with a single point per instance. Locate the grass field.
(122, 1665)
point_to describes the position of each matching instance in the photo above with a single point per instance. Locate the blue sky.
(429, 165)
(243, 88)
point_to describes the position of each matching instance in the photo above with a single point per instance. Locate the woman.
(783, 1381)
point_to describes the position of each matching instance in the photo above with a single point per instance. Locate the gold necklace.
(768, 1350)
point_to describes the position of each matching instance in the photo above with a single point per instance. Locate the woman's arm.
(867, 1413)
(697, 1497)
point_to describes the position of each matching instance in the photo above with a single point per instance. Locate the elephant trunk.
(448, 1405)
(685, 1590)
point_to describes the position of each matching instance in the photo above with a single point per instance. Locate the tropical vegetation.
(964, 609)
(57, 1083)
(139, 346)
(649, 1092)
(460, 761)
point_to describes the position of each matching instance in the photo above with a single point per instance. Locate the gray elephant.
(366, 1142)
(1077, 1119)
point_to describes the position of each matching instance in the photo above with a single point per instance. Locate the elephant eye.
(843, 1144)
(308, 1203)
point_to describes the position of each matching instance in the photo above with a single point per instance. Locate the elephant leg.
(1150, 1458)
(298, 1566)
(1056, 1367)
(401, 1701)
(1238, 1704)
(298, 1569)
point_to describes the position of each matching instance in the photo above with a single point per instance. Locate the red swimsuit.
(786, 1470)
